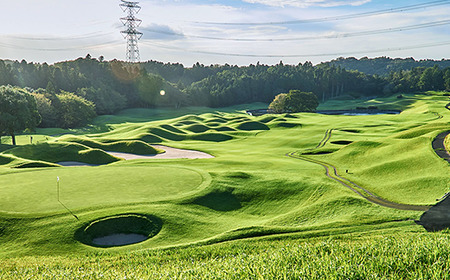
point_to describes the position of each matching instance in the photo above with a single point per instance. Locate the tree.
(74, 111)
(296, 101)
(278, 104)
(18, 111)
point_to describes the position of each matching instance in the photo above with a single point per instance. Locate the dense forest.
(383, 66)
(71, 93)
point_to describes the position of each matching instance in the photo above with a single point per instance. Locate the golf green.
(93, 187)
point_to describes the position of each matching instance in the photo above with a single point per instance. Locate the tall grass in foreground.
(406, 256)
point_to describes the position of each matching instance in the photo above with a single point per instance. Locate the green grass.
(417, 256)
(250, 190)
(96, 187)
(61, 151)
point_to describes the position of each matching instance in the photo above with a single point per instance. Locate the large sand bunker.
(170, 153)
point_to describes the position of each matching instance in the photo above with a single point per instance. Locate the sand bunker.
(74, 163)
(119, 230)
(119, 239)
(170, 153)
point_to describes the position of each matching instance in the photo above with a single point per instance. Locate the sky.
(237, 32)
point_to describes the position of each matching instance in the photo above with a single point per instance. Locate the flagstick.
(57, 194)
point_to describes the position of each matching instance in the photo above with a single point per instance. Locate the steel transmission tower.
(131, 33)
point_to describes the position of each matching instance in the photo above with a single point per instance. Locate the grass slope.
(249, 190)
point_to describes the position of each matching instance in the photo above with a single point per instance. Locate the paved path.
(439, 146)
(325, 139)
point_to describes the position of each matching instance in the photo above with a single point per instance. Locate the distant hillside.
(382, 66)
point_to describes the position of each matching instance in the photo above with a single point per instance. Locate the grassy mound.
(171, 128)
(212, 137)
(35, 164)
(61, 151)
(225, 128)
(421, 130)
(5, 159)
(4, 147)
(166, 134)
(219, 201)
(149, 138)
(267, 119)
(197, 128)
(251, 125)
(216, 120)
(287, 124)
(131, 146)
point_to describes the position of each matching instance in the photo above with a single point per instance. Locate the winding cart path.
(331, 172)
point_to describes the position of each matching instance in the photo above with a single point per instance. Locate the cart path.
(331, 172)
(325, 139)
(439, 146)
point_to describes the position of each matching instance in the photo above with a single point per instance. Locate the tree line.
(70, 93)
(383, 66)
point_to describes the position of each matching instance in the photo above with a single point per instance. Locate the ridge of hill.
(382, 66)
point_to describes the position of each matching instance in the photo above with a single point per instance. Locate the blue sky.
(234, 32)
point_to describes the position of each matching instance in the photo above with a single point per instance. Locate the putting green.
(92, 187)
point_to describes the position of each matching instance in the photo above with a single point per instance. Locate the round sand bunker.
(119, 230)
(119, 239)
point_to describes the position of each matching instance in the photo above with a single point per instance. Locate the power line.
(86, 47)
(301, 55)
(340, 35)
(343, 17)
(78, 37)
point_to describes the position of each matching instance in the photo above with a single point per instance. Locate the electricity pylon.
(131, 33)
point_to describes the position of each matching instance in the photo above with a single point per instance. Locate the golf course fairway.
(248, 205)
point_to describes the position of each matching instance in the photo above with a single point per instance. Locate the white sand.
(170, 153)
(119, 239)
(74, 163)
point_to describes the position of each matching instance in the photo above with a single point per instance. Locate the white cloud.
(309, 3)
(160, 32)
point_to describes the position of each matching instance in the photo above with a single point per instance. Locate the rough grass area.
(393, 256)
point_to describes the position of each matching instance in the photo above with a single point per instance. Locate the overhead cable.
(335, 18)
(331, 36)
(300, 55)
